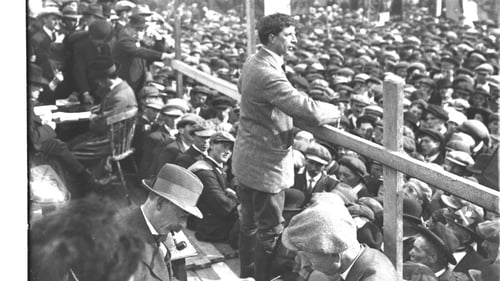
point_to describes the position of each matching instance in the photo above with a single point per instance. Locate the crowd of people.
(292, 204)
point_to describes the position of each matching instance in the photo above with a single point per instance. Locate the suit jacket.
(324, 184)
(150, 150)
(188, 157)
(120, 99)
(262, 156)
(84, 52)
(132, 60)
(40, 43)
(153, 267)
(471, 260)
(219, 210)
(372, 265)
(168, 153)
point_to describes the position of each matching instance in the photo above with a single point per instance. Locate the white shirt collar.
(115, 82)
(439, 273)
(345, 273)
(279, 59)
(358, 187)
(48, 31)
(199, 150)
(153, 231)
(219, 165)
(315, 179)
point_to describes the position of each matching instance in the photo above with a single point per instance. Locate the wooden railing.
(391, 156)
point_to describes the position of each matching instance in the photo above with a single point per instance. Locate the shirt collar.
(220, 166)
(315, 179)
(148, 223)
(199, 150)
(48, 31)
(439, 273)
(279, 59)
(345, 273)
(358, 187)
(115, 82)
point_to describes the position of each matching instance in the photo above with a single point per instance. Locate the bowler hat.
(442, 238)
(179, 186)
(102, 67)
(100, 29)
(94, 10)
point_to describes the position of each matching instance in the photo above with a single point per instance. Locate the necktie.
(310, 185)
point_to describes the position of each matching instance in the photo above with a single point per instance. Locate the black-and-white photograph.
(260, 140)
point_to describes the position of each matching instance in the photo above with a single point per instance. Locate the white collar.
(345, 273)
(279, 59)
(148, 223)
(199, 150)
(48, 31)
(115, 82)
(219, 165)
(358, 187)
(431, 158)
(315, 179)
(439, 273)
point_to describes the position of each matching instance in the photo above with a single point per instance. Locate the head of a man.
(221, 146)
(201, 135)
(277, 33)
(103, 71)
(325, 233)
(317, 158)
(173, 195)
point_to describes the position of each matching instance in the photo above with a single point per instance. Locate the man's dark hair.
(273, 24)
(83, 238)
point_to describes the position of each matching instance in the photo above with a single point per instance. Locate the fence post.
(393, 200)
(250, 8)
(178, 31)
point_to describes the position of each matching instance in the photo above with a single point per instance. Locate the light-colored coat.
(262, 157)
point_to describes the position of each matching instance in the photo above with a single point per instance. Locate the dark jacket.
(324, 184)
(219, 210)
(188, 157)
(132, 60)
(150, 149)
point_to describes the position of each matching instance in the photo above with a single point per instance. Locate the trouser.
(261, 221)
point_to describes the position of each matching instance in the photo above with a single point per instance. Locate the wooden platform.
(211, 263)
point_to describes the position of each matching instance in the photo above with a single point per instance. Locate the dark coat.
(372, 265)
(40, 45)
(132, 60)
(219, 210)
(324, 184)
(150, 148)
(152, 267)
(84, 52)
(188, 157)
(167, 154)
(471, 260)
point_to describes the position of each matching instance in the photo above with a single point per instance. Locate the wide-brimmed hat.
(442, 238)
(179, 186)
(94, 10)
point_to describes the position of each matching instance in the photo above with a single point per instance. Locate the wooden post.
(178, 14)
(393, 180)
(250, 5)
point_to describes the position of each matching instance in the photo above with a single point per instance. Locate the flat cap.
(437, 111)
(326, 227)
(460, 158)
(222, 136)
(354, 164)
(485, 67)
(433, 134)
(318, 153)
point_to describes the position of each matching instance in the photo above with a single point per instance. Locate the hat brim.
(204, 133)
(190, 209)
(438, 241)
(448, 201)
(316, 159)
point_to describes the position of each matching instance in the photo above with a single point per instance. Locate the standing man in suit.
(172, 198)
(312, 178)
(263, 161)
(325, 236)
(131, 57)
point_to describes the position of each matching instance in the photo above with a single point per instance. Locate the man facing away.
(263, 162)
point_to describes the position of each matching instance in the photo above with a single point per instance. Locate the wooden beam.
(393, 180)
(218, 84)
(250, 11)
(463, 188)
(178, 31)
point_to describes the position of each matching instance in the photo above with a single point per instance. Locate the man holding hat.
(325, 235)
(173, 195)
(217, 202)
(133, 58)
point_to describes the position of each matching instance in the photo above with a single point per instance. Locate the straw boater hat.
(177, 185)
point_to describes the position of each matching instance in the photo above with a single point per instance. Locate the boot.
(246, 246)
(263, 260)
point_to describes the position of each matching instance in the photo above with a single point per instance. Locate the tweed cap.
(326, 227)
(360, 210)
(222, 136)
(148, 91)
(423, 190)
(489, 230)
(354, 164)
(458, 145)
(360, 99)
(203, 129)
(460, 158)
(189, 119)
(485, 67)
(475, 129)
(456, 116)
(318, 153)
(222, 102)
